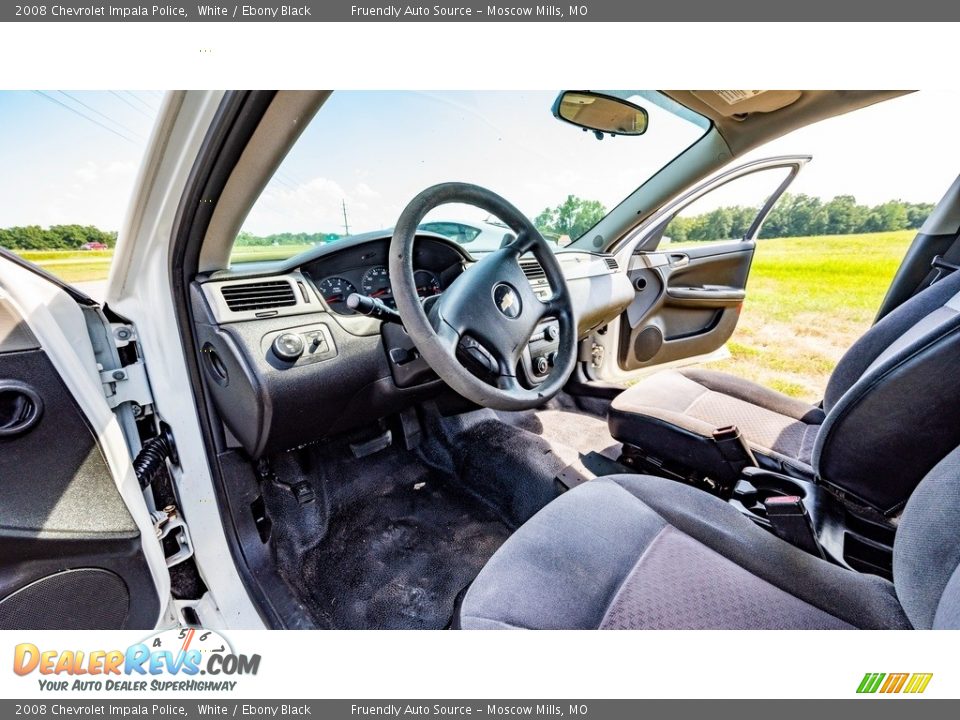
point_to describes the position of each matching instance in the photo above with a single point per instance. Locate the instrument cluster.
(372, 281)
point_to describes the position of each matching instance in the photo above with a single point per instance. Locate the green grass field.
(90, 265)
(808, 299)
(72, 265)
(253, 253)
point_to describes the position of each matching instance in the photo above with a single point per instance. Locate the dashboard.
(364, 271)
(286, 362)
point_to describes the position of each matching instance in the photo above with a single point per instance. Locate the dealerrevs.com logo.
(173, 660)
(893, 683)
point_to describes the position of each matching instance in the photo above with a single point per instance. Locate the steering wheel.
(490, 311)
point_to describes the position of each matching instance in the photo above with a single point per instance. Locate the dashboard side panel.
(271, 406)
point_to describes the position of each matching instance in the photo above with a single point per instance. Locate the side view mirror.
(600, 113)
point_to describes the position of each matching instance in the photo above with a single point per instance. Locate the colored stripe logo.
(888, 683)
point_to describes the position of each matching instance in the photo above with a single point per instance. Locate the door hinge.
(127, 384)
(596, 355)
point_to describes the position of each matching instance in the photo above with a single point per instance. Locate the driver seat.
(888, 415)
(640, 552)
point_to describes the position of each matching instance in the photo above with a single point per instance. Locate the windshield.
(367, 154)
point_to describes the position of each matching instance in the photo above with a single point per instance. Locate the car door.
(78, 544)
(689, 264)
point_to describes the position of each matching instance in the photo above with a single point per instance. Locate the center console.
(850, 536)
(797, 509)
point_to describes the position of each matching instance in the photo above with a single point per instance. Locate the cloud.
(86, 193)
(88, 172)
(92, 171)
(315, 206)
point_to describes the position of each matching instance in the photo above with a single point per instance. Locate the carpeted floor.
(393, 538)
(398, 560)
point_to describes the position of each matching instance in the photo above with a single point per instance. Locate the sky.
(73, 157)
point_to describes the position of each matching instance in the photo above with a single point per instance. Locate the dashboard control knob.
(552, 358)
(540, 365)
(288, 346)
(552, 332)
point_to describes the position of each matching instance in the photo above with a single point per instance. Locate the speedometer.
(335, 291)
(427, 283)
(376, 284)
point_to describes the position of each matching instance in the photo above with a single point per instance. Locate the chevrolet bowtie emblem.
(507, 300)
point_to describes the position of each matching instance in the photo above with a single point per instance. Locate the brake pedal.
(365, 448)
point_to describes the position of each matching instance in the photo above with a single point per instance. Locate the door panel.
(687, 303)
(689, 271)
(71, 554)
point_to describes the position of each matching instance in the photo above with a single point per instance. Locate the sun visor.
(743, 102)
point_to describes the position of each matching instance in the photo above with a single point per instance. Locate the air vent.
(532, 269)
(259, 296)
(612, 263)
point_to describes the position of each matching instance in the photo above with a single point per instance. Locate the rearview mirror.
(600, 113)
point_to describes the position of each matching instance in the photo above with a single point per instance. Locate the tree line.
(800, 216)
(793, 216)
(246, 239)
(571, 218)
(55, 237)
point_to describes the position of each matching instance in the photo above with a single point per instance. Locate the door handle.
(708, 296)
(20, 408)
(707, 292)
(679, 260)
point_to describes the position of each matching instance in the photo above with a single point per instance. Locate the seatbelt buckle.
(790, 521)
(735, 452)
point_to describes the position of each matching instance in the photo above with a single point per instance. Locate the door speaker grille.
(81, 599)
(647, 344)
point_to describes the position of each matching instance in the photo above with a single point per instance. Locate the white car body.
(476, 236)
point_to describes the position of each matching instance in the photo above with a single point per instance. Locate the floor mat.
(579, 431)
(398, 560)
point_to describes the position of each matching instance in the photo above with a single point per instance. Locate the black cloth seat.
(641, 552)
(889, 412)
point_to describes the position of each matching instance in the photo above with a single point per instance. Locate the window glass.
(725, 214)
(365, 155)
(70, 161)
(463, 234)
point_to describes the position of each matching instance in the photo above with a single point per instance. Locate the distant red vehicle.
(93, 246)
